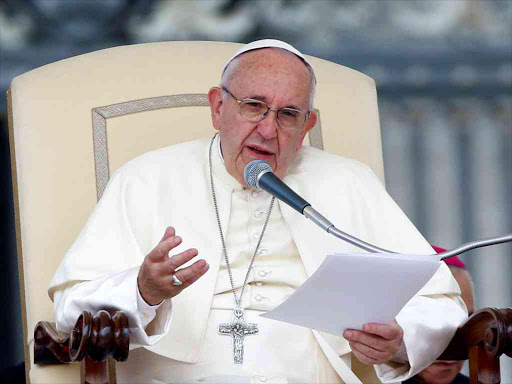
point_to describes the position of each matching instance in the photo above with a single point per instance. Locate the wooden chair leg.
(483, 368)
(96, 342)
(93, 372)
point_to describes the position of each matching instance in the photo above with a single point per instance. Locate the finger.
(161, 251)
(370, 352)
(373, 341)
(177, 289)
(198, 276)
(178, 260)
(191, 274)
(387, 331)
(362, 357)
(169, 232)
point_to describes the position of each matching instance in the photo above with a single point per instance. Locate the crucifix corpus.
(238, 328)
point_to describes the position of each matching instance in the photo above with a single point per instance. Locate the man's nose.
(268, 126)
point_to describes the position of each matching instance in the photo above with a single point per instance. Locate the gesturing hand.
(376, 343)
(155, 274)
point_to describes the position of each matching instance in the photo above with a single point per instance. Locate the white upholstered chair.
(73, 122)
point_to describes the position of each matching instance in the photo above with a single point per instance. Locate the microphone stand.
(329, 227)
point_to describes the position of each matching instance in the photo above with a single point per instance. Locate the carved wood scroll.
(97, 338)
(485, 336)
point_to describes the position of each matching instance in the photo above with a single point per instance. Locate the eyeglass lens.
(255, 111)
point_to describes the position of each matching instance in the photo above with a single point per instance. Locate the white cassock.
(171, 186)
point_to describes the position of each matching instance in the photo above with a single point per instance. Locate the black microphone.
(258, 174)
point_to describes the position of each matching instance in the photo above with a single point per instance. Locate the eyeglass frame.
(269, 108)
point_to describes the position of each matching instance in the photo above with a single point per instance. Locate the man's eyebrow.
(259, 98)
(263, 98)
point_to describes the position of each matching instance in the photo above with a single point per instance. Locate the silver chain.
(238, 301)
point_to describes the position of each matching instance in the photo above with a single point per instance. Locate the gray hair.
(232, 66)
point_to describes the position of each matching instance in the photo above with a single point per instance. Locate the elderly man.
(255, 251)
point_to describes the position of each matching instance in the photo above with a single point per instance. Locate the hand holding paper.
(376, 343)
(350, 290)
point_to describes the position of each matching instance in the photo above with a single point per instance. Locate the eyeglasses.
(289, 119)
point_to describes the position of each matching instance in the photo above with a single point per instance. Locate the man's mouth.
(259, 151)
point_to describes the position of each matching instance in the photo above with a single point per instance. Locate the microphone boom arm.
(329, 227)
(259, 174)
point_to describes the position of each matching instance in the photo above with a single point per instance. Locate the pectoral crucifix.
(238, 328)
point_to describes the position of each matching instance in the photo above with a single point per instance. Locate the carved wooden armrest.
(483, 338)
(92, 341)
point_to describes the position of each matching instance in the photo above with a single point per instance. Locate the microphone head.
(255, 169)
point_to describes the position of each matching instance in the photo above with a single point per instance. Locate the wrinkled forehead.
(271, 58)
(268, 73)
(263, 65)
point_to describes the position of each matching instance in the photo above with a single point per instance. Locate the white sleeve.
(429, 323)
(118, 291)
(146, 311)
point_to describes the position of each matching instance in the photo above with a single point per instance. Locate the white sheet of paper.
(350, 290)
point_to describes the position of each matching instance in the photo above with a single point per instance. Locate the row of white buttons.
(259, 284)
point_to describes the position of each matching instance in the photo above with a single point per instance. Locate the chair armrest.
(483, 338)
(489, 328)
(97, 338)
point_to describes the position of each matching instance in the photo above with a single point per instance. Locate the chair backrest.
(73, 122)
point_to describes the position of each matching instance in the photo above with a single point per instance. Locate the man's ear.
(215, 100)
(308, 125)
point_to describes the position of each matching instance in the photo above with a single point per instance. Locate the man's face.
(441, 372)
(278, 78)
